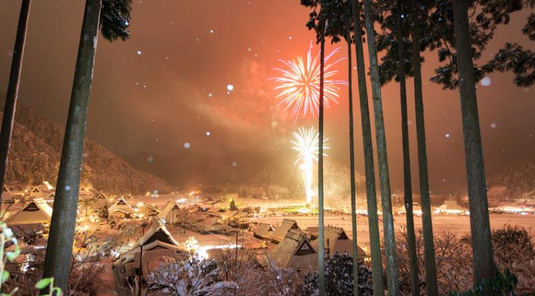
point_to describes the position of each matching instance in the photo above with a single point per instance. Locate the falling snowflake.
(486, 81)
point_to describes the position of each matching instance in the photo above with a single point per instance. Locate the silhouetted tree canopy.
(115, 19)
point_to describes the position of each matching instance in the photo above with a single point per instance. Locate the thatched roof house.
(336, 240)
(227, 216)
(212, 225)
(263, 231)
(121, 208)
(101, 195)
(172, 212)
(155, 244)
(215, 211)
(36, 211)
(149, 210)
(451, 207)
(42, 189)
(280, 232)
(294, 251)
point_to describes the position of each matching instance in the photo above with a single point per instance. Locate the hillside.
(35, 153)
(516, 181)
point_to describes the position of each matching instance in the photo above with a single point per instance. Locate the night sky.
(160, 99)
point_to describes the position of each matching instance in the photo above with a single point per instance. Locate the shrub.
(339, 277)
(193, 277)
(514, 255)
(513, 250)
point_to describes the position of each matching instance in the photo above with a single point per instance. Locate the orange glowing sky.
(151, 94)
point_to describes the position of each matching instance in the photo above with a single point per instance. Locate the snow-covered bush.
(193, 277)
(339, 277)
(453, 260)
(281, 282)
(513, 251)
(252, 278)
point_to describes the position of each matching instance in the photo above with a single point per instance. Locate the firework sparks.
(306, 144)
(299, 84)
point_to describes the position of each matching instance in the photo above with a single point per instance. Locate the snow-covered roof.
(121, 205)
(281, 231)
(170, 207)
(34, 212)
(295, 250)
(451, 205)
(263, 230)
(336, 240)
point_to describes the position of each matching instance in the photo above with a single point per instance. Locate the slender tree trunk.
(407, 181)
(427, 221)
(386, 201)
(60, 241)
(371, 196)
(10, 106)
(484, 267)
(321, 235)
(352, 173)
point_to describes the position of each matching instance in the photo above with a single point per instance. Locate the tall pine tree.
(112, 16)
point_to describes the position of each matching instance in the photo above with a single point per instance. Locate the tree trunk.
(407, 181)
(321, 235)
(388, 218)
(371, 196)
(60, 241)
(484, 267)
(427, 221)
(352, 168)
(12, 95)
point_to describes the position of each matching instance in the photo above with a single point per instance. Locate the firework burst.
(299, 84)
(306, 144)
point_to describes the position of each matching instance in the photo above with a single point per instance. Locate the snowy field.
(458, 225)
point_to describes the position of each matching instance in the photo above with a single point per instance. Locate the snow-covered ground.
(458, 225)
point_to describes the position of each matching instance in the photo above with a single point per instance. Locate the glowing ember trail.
(306, 144)
(299, 84)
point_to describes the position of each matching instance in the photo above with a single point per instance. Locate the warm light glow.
(304, 210)
(191, 244)
(306, 144)
(299, 84)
